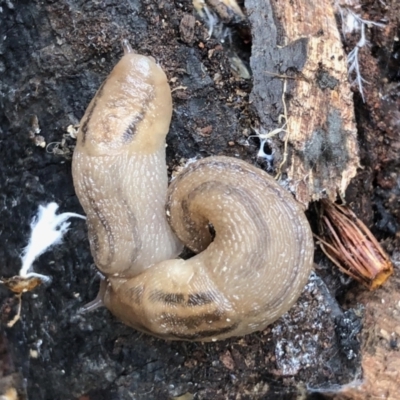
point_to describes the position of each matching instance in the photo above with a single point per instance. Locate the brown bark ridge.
(300, 39)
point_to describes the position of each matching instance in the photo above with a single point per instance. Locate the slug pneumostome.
(241, 280)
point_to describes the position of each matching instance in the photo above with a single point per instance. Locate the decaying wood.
(381, 343)
(300, 39)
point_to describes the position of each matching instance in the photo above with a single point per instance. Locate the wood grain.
(300, 39)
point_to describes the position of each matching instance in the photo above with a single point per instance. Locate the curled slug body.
(239, 282)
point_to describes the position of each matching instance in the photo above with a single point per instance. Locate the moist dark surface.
(54, 56)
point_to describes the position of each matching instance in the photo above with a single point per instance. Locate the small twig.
(299, 76)
(179, 88)
(285, 152)
(17, 316)
(280, 76)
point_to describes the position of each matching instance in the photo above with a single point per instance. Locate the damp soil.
(53, 57)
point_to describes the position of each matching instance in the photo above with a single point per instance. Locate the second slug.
(241, 280)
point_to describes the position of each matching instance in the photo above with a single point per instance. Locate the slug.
(243, 277)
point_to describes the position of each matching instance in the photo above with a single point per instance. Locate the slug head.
(131, 110)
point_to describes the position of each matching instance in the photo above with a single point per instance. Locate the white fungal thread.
(352, 22)
(265, 137)
(47, 229)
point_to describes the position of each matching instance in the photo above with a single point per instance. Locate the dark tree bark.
(300, 40)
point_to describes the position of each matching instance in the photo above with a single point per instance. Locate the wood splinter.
(350, 245)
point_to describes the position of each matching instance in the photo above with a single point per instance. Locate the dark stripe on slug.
(200, 299)
(227, 190)
(158, 296)
(205, 334)
(93, 236)
(136, 294)
(131, 130)
(84, 127)
(197, 299)
(193, 321)
(187, 218)
(103, 231)
(136, 244)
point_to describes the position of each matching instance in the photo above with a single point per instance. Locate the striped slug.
(241, 280)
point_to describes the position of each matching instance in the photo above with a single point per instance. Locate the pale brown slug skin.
(247, 277)
(119, 168)
(252, 272)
